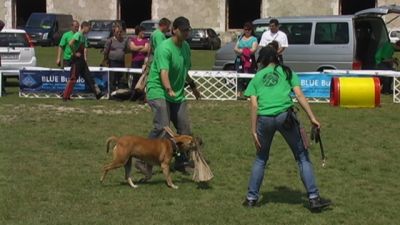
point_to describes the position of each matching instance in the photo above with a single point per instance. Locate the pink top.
(136, 55)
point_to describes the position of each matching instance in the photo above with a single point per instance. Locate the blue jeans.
(266, 127)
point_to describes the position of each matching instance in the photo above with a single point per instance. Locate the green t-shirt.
(174, 59)
(80, 42)
(272, 90)
(386, 51)
(156, 38)
(64, 44)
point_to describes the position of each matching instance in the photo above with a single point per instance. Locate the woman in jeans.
(271, 105)
(114, 51)
(245, 49)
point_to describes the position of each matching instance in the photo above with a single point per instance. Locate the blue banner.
(47, 81)
(315, 85)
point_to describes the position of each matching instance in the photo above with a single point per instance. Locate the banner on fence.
(42, 82)
(315, 85)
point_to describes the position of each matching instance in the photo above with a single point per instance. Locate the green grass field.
(51, 155)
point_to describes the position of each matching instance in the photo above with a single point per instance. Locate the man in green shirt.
(384, 61)
(165, 88)
(78, 45)
(64, 45)
(158, 35)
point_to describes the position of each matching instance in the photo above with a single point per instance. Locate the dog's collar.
(174, 147)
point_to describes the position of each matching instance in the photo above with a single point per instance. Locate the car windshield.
(13, 40)
(101, 25)
(39, 21)
(148, 26)
(198, 33)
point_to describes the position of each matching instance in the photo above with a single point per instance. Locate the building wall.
(6, 12)
(201, 13)
(275, 8)
(84, 9)
(396, 22)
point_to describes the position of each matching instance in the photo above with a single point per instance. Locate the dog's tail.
(109, 140)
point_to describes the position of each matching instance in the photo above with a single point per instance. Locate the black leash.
(316, 136)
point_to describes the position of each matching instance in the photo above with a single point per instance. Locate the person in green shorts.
(64, 45)
(272, 110)
(165, 89)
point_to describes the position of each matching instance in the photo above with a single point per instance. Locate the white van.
(324, 42)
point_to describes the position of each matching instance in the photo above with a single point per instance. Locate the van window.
(297, 33)
(332, 33)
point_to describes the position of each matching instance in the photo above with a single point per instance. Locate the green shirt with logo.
(156, 38)
(177, 61)
(272, 90)
(64, 44)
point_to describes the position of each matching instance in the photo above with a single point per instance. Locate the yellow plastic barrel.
(355, 92)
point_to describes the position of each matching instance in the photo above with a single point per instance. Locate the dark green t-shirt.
(156, 38)
(80, 42)
(272, 90)
(174, 59)
(64, 44)
(386, 51)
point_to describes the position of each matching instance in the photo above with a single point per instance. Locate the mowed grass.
(51, 155)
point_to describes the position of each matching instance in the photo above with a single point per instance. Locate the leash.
(174, 147)
(316, 136)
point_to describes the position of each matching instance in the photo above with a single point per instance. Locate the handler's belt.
(316, 136)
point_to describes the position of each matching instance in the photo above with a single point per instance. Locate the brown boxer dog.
(152, 151)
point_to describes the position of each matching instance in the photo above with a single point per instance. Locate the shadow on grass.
(283, 194)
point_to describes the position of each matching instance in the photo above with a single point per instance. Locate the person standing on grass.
(156, 38)
(274, 34)
(245, 50)
(64, 47)
(139, 46)
(79, 66)
(271, 111)
(114, 53)
(165, 89)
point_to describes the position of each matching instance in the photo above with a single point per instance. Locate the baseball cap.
(181, 23)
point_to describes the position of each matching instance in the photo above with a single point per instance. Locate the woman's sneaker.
(319, 203)
(249, 203)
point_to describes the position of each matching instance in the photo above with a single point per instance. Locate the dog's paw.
(173, 186)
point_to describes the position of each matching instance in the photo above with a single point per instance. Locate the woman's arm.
(304, 104)
(237, 50)
(254, 47)
(134, 47)
(253, 118)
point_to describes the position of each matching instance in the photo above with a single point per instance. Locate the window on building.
(332, 33)
(349, 7)
(134, 12)
(24, 8)
(297, 33)
(242, 11)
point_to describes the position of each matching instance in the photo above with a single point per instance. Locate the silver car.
(324, 42)
(16, 50)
